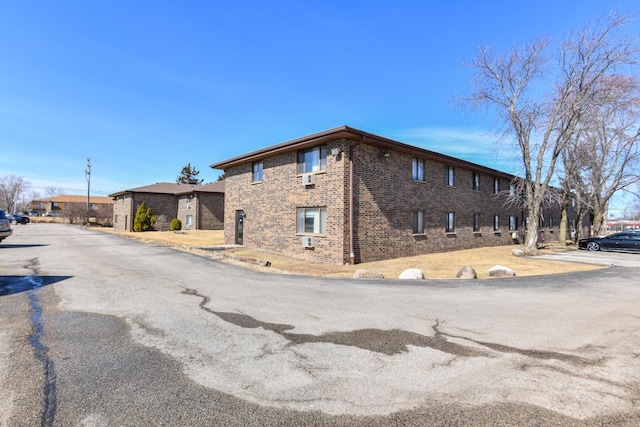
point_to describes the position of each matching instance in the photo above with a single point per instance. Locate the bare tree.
(52, 191)
(541, 115)
(607, 146)
(11, 189)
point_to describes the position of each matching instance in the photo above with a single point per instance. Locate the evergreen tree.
(144, 219)
(189, 175)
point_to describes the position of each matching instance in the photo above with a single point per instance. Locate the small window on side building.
(476, 223)
(418, 222)
(417, 170)
(257, 172)
(449, 226)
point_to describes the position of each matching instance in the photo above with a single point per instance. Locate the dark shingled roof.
(346, 132)
(175, 189)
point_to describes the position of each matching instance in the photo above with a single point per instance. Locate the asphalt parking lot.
(116, 332)
(609, 258)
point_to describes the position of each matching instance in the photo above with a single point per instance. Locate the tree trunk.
(531, 239)
(598, 222)
(579, 231)
(562, 236)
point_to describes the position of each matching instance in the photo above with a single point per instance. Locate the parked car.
(16, 218)
(51, 214)
(33, 213)
(5, 226)
(622, 241)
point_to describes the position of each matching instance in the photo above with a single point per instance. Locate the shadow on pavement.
(10, 285)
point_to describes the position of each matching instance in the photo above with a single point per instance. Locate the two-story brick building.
(199, 207)
(345, 195)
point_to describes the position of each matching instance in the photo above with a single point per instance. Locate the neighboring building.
(75, 206)
(345, 195)
(199, 207)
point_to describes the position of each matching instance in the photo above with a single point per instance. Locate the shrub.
(176, 224)
(144, 219)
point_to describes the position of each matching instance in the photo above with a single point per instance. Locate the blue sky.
(145, 87)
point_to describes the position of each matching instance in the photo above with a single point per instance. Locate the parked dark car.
(18, 219)
(5, 226)
(623, 241)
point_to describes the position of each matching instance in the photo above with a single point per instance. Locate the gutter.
(352, 255)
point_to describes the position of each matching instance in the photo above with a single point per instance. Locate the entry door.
(239, 227)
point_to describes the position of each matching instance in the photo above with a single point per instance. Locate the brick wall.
(211, 215)
(123, 213)
(187, 206)
(385, 198)
(270, 206)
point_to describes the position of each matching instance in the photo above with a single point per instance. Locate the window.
(450, 176)
(257, 172)
(54, 204)
(513, 223)
(550, 222)
(115, 219)
(449, 226)
(496, 223)
(476, 223)
(496, 185)
(541, 223)
(312, 160)
(512, 190)
(190, 198)
(418, 222)
(312, 220)
(189, 219)
(417, 170)
(476, 181)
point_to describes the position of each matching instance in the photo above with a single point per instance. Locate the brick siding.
(385, 197)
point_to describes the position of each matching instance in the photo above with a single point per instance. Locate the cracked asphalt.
(96, 330)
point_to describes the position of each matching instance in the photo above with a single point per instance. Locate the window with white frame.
(189, 220)
(257, 172)
(476, 181)
(513, 223)
(312, 160)
(312, 220)
(512, 189)
(449, 225)
(496, 223)
(449, 178)
(476, 223)
(417, 170)
(418, 222)
(496, 185)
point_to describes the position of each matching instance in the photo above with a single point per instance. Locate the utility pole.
(88, 174)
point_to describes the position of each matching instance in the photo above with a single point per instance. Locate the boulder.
(363, 273)
(501, 271)
(412, 273)
(467, 272)
(517, 252)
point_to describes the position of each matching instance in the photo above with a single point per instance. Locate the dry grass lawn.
(434, 266)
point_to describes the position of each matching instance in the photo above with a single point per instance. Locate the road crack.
(40, 350)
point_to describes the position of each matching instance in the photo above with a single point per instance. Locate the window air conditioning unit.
(515, 235)
(308, 242)
(308, 179)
